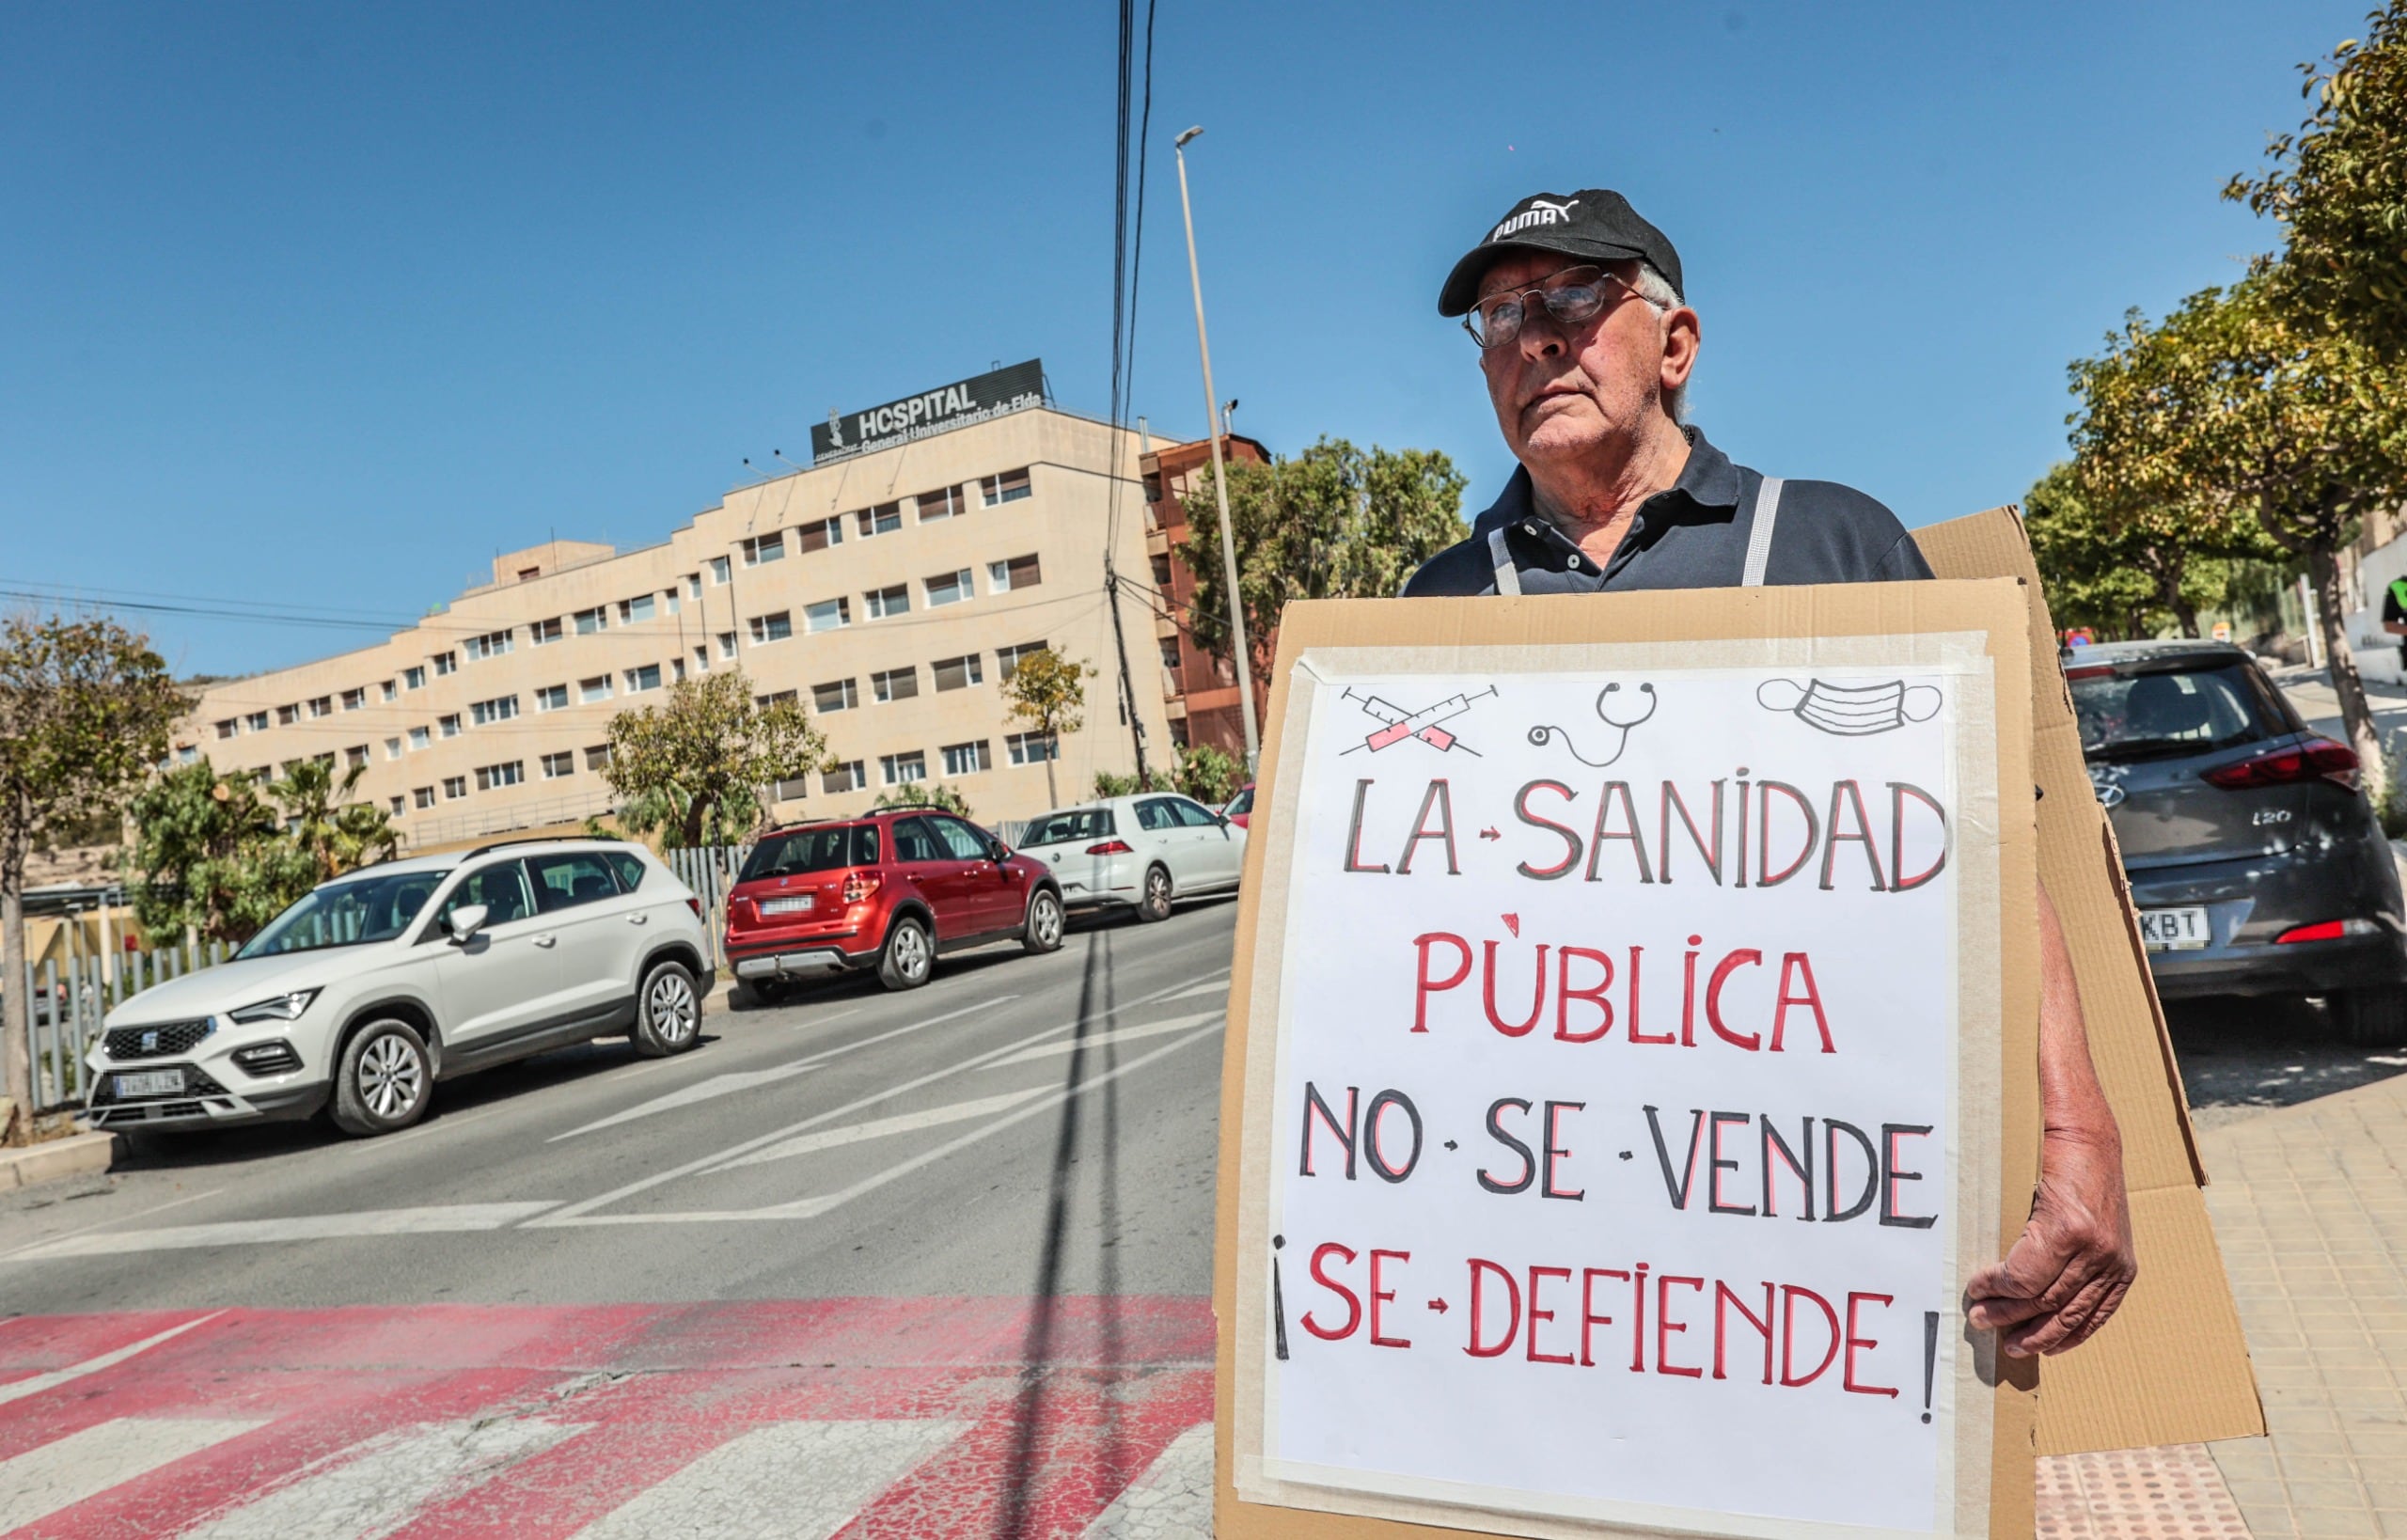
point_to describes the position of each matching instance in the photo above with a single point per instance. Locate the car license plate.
(2174, 930)
(155, 1083)
(802, 904)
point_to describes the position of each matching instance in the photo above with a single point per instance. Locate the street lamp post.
(1215, 426)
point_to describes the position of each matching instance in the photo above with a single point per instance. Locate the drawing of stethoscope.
(1541, 734)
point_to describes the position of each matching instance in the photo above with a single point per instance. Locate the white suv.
(378, 983)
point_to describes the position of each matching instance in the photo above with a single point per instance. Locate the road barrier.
(710, 871)
(66, 1004)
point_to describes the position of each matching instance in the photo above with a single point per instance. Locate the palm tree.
(338, 835)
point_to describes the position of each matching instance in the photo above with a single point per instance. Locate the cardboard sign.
(2172, 1367)
(1631, 1054)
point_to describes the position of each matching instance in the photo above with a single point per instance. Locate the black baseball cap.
(1593, 223)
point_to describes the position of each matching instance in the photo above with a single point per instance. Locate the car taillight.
(694, 903)
(1110, 847)
(2327, 930)
(859, 885)
(2316, 756)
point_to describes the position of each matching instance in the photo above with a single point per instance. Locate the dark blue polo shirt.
(1693, 536)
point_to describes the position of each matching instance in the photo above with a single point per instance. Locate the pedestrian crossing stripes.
(367, 1492)
(788, 1481)
(865, 1418)
(85, 1464)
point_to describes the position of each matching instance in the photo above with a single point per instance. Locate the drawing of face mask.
(1851, 711)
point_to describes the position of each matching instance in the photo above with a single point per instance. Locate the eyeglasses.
(1572, 297)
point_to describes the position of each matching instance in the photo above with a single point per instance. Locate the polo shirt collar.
(1708, 481)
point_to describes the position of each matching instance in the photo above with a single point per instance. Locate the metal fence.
(709, 871)
(66, 1004)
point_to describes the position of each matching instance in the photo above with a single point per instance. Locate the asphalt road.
(1021, 1127)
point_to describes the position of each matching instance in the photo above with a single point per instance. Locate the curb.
(78, 1154)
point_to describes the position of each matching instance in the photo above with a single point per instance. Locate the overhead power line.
(1127, 252)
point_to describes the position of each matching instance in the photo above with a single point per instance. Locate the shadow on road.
(1098, 995)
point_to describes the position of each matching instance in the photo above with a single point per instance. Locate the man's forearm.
(2072, 1105)
(2067, 1273)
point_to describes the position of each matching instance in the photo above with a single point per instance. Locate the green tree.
(923, 793)
(1207, 775)
(2339, 185)
(208, 855)
(688, 766)
(2308, 430)
(662, 811)
(1332, 523)
(1049, 692)
(2087, 568)
(85, 708)
(1109, 783)
(335, 834)
(2149, 392)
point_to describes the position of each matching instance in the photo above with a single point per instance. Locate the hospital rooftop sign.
(958, 405)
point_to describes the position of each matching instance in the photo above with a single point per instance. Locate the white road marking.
(384, 1221)
(102, 1224)
(370, 1490)
(68, 1470)
(577, 1213)
(785, 1481)
(1170, 1500)
(700, 1091)
(829, 1139)
(1117, 1035)
(34, 1385)
(805, 1208)
(1210, 986)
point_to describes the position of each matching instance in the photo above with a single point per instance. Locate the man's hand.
(2072, 1264)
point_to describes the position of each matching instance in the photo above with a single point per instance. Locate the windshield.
(1241, 802)
(347, 914)
(1062, 828)
(819, 849)
(2167, 712)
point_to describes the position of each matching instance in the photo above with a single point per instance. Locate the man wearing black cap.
(1587, 343)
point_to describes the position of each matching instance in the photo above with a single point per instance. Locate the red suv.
(887, 892)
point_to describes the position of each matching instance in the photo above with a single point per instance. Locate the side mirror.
(998, 850)
(466, 921)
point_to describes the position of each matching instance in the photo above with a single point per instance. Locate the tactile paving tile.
(2170, 1493)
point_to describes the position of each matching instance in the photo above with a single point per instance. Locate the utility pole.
(1120, 641)
(1219, 475)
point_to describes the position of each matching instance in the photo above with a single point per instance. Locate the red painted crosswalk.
(856, 1418)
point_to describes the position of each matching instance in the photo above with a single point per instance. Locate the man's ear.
(1683, 334)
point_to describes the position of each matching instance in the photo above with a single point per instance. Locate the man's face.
(1587, 392)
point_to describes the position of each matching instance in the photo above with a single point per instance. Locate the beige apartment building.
(889, 589)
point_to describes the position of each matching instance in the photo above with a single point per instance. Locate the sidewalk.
(2311, 1209)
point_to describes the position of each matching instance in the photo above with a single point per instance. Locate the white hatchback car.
(361, 995)
(1137, 852)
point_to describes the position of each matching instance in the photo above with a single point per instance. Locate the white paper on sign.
(1615, 1172)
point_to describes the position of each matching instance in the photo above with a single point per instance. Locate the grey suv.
(2255, 860)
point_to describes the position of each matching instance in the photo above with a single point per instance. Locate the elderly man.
(1576, 304)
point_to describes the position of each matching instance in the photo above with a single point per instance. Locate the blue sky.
(326, 305)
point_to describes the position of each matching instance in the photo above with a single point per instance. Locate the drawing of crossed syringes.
(1421, 724)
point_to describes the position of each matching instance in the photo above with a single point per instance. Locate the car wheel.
(2372, 1018)
(1043, 931)
(1155, 904)
(908, 954)
(669, 1014)
(385, 1079)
